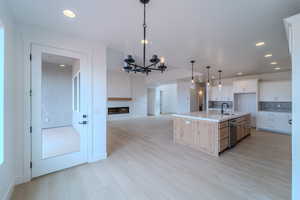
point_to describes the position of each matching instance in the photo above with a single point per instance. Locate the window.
(76, 92)
(1, 94)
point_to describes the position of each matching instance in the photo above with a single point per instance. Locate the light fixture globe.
(129, 59)
(154, 59)
(162, 67)
(208, 79)
(220, 80)
(131, 66)
(144, 1)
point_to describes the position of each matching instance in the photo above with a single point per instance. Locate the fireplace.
(118, 110)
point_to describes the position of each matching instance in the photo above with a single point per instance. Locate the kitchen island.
(211, 132)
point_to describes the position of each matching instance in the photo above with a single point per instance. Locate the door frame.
(44, 166)
(27, 148)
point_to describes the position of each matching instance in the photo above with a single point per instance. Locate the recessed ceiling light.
(259, 44)
(273, 63)
(62, 65)
(268, 55)
(69, 13)
(240, 73)
(277, 68)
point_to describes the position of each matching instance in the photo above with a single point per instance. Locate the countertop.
(214, 116)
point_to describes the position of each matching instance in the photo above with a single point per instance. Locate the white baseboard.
(20, 180)
(117, 118)
(10, 191)
(273, 131)
(98, 158)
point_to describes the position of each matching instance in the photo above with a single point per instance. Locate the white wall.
(122, 84)
(118, 84)
(96, 54)
(139, 95)
(11, 114)
(293, 32)
(75, 67)
(296, 112)
(169, 98)
(151, 101)
(183, 96)
(56, 95)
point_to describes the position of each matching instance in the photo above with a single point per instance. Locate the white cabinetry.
(274, 121)
(275, 91)
(245, 86)
(223, 94)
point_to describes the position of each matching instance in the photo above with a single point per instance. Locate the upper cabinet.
(275, 91)
(245, 86)
(220, 94)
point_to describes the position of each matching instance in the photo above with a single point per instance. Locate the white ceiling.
(220, 33)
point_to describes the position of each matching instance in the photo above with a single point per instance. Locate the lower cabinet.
(205, 134)
(274, 121)
(183, 128)
(198, 134)
(208, 136)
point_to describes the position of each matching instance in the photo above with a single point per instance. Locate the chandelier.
(156, 63)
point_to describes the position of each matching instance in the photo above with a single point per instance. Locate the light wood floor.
(145, 164)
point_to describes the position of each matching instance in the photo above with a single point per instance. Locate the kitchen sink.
(228, 114)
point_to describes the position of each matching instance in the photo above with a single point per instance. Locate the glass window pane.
(75, 94)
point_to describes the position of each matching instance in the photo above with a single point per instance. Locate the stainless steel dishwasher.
(232, 133)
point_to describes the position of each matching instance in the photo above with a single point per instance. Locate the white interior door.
(60, 99)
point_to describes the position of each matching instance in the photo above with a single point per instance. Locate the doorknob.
(83, 122)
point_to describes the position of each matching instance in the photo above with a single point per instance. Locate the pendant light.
(193, 62)
(156, 63)
(208, 79)
(220, 80)
(193, 78)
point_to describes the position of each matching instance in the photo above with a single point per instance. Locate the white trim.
(27, 110)
(98, 158)
(4, 94)
(8, 194)
(18, 180)
(96, 57)
(44, 166)
(76, 75)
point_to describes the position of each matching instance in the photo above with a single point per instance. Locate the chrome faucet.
(222, 107)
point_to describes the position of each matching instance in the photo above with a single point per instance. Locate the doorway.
(161, 101)
(59, 111)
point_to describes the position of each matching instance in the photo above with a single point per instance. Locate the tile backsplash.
(275, 106)
(218, 104)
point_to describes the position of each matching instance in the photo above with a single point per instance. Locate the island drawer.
(223, 144)
(242, 119)
(223, 124)
(223, 133)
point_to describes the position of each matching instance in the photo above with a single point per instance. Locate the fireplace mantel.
(119, 99)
